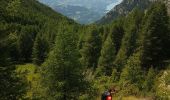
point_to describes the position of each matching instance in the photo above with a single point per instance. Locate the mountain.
(96, 5)
(27, 31)
(78, 13)
(22, 22)
(82, 11)
(124, 8)
(47, 56)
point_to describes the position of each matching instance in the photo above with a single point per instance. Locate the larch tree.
(128, 45)
(150, 80)
(132, 72)
(118, 33)
(40, 50)
(107, 57)
(156, 40)
(62, 72)
(91, 47)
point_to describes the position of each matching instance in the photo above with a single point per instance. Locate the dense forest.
(47, 56)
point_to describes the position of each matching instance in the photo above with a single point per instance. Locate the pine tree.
(107, 57)
(104, 31)
(156, 40)
(118, 32)
(25, 42)
(40, 50)
(150, 79)
(90, 51)
(11, 87)
(128, 45)
(132, 73)
(62, 71)
(13, 7)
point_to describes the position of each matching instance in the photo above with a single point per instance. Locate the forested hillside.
(27, 34)
(124, 8)
(46, 56)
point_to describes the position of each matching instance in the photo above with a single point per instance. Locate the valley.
(45, 55)
(83, 12)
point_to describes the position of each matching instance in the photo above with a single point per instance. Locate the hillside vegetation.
(46, 56)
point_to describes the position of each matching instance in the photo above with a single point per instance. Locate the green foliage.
(149, 81)
(11, 87)
(117, 34)
(25, 42)
(62, 71)
(128, 45)
(162, 86)
(40, 50)
(121, 51)
(131, 76)
(21, 24)
(104, 31)
(102, 84)
(13, 7)
(156, 37)
(22, 21)
(90, 51)
(30, 75)
(107, 57)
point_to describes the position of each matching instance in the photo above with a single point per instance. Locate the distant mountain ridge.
(78, 13)
(82, 11)
(96, 5)
(127, 6)
(124, 8)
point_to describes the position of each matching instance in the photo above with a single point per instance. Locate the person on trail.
(107, 95)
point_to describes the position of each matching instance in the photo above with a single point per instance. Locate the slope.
(123, 9)
(21, 21)
(24, 25)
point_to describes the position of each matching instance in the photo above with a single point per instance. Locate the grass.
(128, 98)
(29, 74)
(28, 71)
(131, 98)
(30, 68)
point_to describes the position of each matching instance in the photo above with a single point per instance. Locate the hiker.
(107, 95)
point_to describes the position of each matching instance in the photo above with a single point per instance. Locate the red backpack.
(109, 98)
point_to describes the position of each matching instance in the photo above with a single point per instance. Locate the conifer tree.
(11, 87)
(104, 31)
(132, 72)
(156, 40)
(13, 7)
(150, 79)
(90, 51)
(62, 71)
(107, 56)
(40, 50)
(118, 32)
(25, 42)
(128, 45)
